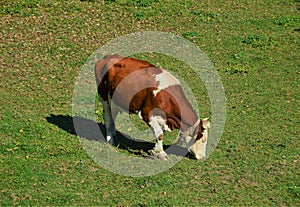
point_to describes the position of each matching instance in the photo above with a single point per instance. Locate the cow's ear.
(206, 123)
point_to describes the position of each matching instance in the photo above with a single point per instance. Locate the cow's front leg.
(158, 150)
(109, 123)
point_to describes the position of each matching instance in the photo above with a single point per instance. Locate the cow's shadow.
(87, 131)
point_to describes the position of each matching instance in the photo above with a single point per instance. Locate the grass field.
(254, 45)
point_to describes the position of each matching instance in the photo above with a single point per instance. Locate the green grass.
(255, 48)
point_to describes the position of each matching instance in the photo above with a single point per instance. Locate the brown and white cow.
(138, 87)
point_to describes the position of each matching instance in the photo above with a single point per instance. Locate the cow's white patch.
(109, 139)
(161, 123)
(159, 146)
(165, 80)
(140, 114)
(199, 147)
(206, 123)
(155, 123)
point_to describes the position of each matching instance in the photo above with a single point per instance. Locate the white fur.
(159, 146)
(162, 123)
(199, 147)
(140, 114)
(165, 80)
(157, 124)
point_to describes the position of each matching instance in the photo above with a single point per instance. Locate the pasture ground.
(255, 48)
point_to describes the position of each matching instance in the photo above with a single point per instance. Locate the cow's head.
(197, 141)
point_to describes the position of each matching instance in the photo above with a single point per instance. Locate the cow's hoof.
(111, 140)
(180, 141)
(160, 155)
(112, 143)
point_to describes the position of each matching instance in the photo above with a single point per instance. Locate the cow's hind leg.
(109, 123)
(156, 125)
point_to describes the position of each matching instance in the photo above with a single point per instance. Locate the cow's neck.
(184, 122)
(188, 119)
(191, 129)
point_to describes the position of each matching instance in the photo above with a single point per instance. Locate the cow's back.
(112, 69)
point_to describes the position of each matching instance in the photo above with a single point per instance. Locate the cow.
(139, 87)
